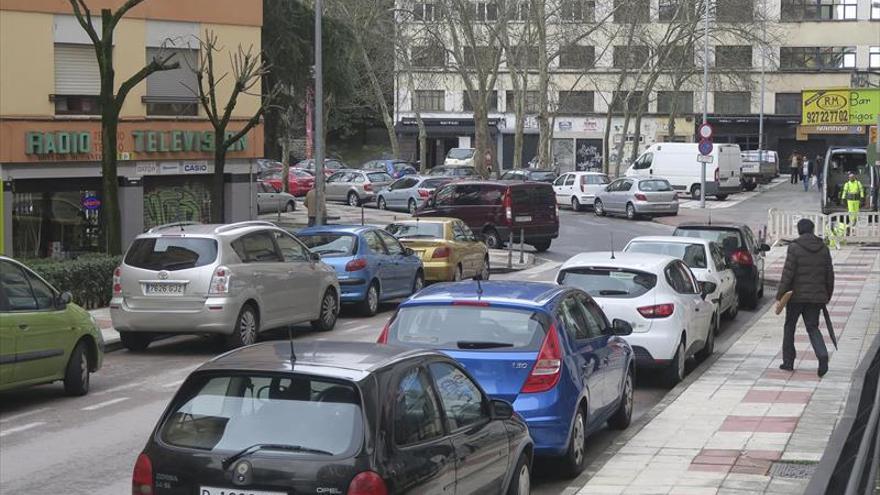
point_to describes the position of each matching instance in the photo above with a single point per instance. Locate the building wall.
(26, 75)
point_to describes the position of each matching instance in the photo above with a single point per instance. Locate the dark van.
(495, 209)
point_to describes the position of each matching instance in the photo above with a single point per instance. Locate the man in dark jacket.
(809, 274)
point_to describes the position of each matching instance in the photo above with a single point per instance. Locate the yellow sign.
(840, 106)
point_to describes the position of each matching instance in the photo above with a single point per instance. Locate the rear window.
(398, 166)
(416, 229)
(171, 253)
(460, 153)
(330, 245)
(655, 185)
(233, 412)
(843, 163)
(467, 327)
(379, 177)
(528, 196)
(594, 179)
(728, 239)
(609, 282)
(693, 255)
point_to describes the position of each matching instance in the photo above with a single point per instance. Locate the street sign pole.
(319, 117)
(763, 81)
(705, 95)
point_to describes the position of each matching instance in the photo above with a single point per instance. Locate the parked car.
(457, 171)
(355, 187)
(495, 209)
(232, 280)
(44, 336)
(534, 174)
(744, 251)
(578, 189)
(635, 197)
(270, 199)
(331, 166)
(372, 266)
(449, 249)
(677, 163)
(548, 350)
(395, 168)
(706, 261)
(409, 193)
(334, 418)
(839, 163)
(460, 156)
(265, 165)
(658, 295)
(299, 181)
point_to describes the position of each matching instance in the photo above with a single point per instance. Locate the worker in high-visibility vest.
(853, 193)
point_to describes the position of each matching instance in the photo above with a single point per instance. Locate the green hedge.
(89, 278)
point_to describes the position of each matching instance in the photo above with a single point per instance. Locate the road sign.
(705, 158)
(705, 131)
(705, 147)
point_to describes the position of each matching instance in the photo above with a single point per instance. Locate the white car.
(706, 260)
(658, 295)
(578, 189)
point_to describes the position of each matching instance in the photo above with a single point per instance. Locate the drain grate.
(793, 470)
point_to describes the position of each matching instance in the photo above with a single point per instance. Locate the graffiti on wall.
(183, 203)
(589, 154)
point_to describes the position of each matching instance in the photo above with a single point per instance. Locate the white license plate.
(210, 490)
(164, 289)
(523, 219)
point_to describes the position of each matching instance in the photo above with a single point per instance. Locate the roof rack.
(246, 223)
(157, 228)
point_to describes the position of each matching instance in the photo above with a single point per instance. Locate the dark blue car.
(394, 168)
(548, 350)
(371, 265)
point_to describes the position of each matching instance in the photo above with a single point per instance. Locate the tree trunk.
(110, 180)
(519, 95)
(606, 143)
(218, 182)
(423, 144)
(622, 144)
(481, 126)
(387, 118)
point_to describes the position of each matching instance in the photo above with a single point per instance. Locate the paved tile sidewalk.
(723, 433)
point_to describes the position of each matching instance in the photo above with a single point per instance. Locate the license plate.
(164, 289)
(523, 219)
(419, 252)
(210, 490)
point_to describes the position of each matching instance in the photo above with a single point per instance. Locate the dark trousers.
(810, 312)
(312, 221)
(795, 176)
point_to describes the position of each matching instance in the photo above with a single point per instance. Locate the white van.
(677, 163)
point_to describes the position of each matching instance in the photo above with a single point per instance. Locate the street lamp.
(319, 116)
(705, 96)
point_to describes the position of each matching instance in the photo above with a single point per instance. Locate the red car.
(299, 181)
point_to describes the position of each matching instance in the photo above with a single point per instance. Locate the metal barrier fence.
(782, 225)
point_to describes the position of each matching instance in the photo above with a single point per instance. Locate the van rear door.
(729, 160)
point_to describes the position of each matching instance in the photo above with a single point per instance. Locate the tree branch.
(121, 11)
(79, 6)
(153, 66)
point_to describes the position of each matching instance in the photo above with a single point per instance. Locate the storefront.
(443, 135)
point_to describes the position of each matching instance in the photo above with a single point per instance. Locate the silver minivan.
(230, 280)
(355, 186)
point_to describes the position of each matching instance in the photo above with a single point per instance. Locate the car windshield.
(693, 255)
(542, 175)
(379, 177)
(231, 412)
(654, 185)
(729, 239)
(398, 166)
(467, 327)
(608, 281)
(416, 229)
(330, 245)
(460, 153)
(171, 253)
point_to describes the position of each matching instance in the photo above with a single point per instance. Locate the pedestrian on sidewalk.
(819, 170)
(809, 275)
(311, 203)
(806, 173)
(794, 168)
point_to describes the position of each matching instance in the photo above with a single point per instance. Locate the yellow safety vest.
(852, 191)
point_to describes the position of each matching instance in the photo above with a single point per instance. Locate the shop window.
(47, 222)
(177, 198)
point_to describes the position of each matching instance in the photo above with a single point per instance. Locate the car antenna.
(290, 340)
(479, 287)
(612, 245)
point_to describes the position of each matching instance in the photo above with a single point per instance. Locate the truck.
(758, 167)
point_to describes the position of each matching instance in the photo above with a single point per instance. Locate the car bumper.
(438, 271)
(216, 315)
(587, 199)
(656, 208)
(532, 232)
(659, 343)
(549, 429)
(352, 289)
(746, 279)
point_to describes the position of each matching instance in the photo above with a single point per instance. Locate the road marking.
(99, 405)
(539, 269)
(174, 383)
(21, 428)
(23, 415)
(119, 388)
(356, 329)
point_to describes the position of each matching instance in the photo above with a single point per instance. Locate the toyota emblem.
(163, 275)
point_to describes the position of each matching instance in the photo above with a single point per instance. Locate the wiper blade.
(472, 344)
(613, 292)
(269, 446)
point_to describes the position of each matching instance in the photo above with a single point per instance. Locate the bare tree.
(111, 102)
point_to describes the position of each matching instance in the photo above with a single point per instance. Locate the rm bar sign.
(840, 106)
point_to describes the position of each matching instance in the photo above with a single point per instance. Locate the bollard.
(522, 237)
(510, 251)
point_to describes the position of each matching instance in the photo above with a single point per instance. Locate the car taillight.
(641, 197)
(383, 337)
(424, 193)
(657, 311)
(368, 187)
(545, 373)
(742, 257)
(117, 281)
(367, 483)
(507, 202)
(441, 252)
(220, 281)
(142, 477)
(356, 264)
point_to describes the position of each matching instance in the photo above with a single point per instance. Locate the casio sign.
(195, 168)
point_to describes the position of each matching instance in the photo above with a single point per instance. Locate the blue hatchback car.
(394, 168)
(371, 265)
(548, 350)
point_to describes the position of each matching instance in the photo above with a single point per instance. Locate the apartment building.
(814, 44)
(50, 125)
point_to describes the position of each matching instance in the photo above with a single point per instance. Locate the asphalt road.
(51, 444)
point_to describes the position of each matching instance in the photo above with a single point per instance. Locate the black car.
(744, 251)
(338, 418)
(533, 174)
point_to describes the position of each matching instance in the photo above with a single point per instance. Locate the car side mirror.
(408, 251)
(621, 328)
(764, 248)
(64, 299)
(315, 257)
(501, 409)
(707, 288)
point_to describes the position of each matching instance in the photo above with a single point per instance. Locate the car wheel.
(134, 341)
(720, 197)
(750, 299)
(709, 348)
(329, 312)
(418, 282)
(623, 416)
(456, 275)
(676, 368)
(575, 204)
(381, 204)
(484, 273)
(290, 206)
(573, 463)
(521, 482)
(631, 212)
(353, 199)
(412, 206)
(761, 290)
(492, 239)
(370, 305)
(541, 246)
(695, 192)
(246, 328)
(599, 208)
(733, 310)
(76, 375)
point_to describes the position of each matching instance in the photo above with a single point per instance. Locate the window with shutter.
(77, 80)
(171, 92)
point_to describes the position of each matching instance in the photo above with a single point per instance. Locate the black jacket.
(808, 271)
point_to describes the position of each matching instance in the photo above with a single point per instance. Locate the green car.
(44, 337)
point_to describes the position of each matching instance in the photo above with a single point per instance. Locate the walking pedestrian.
(806, 173)
(794, 167)
(819, 170)
(853, 192)
(809, 275)
(311, 203)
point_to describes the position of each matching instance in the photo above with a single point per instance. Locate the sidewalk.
(744, 426)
